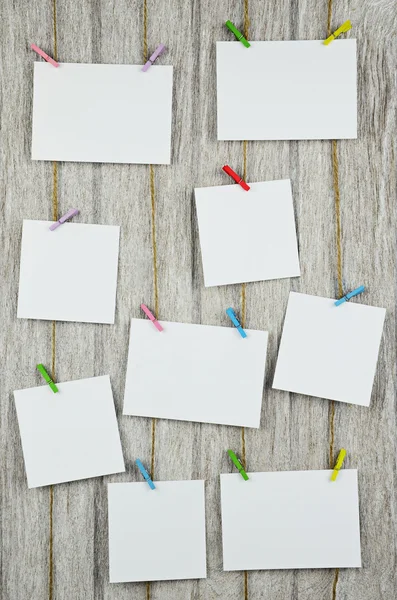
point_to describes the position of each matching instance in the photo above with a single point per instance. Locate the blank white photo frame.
(69, 435)
(295, 90)
(195, 373)
(247, 236)
(102, 113)
(69, 274)
(290, 520)
(157, 534)
(329, 351)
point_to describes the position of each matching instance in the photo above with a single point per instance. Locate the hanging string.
(53, 336)
(243, 287)
(154, 251)
(335, 172)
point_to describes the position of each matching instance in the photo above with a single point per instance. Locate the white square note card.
(329, 351)
(290, 520)
(299, 90)
(157, 534)
(69, 274)
(69, 435)
(247, 236)
(195, 373)
(102, 113)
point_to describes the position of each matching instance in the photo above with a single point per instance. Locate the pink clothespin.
(44, 55)
(159, 50)
(236, 177)
(151, 317)
(71, 213)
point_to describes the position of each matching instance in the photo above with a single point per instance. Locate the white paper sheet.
(69, 435)
(329, 351)
(69, 274)
(102, 113)
(296, 90)
(247, 236)
(290, 520)
(195, 373)
(157, 534)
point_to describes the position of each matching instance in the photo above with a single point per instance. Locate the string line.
(243, 286)
(53, 335)
(335, 174)
(154, 250)
(335, 179)
(334, 585)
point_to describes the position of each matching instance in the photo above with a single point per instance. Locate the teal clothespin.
(230, 313)
(238, 464)
(48, 379)
(237, 33)
(145, 474)
(346, 298)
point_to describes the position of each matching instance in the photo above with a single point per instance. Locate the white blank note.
(290, 520)
(329, 351)
(69, 274)
(295, 90)
(195, 373)
(247, 236)
(157, 534)
(69, 435)
(102, 113)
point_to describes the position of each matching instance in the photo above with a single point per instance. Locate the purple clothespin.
(159, 50)
(71, 213)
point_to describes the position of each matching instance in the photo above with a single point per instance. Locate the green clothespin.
(238, 464)
(48, 379)
(237, 33)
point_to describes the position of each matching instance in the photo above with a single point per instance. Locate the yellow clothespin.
(342, 29)
(339, 463)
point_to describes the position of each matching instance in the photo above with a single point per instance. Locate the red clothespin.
(236, 178)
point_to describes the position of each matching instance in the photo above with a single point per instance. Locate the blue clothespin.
(145, 474)
(355, 292)
(230, 313)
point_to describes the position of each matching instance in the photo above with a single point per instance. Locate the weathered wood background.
(295, 431)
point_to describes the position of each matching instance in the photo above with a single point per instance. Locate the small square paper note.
(290, 520)
(195, 373)
(329, 351)
(157, 534)
(69, 435)
(69, 274)
(102, 113)
(295, 90)
(247, 236)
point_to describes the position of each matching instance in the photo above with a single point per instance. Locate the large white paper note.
(247, 236)
(102, 113)
(296, 90)
(290, 520)
(329, 351)
(69, 274)
(195, 373)
(69, 435)
(157, 534)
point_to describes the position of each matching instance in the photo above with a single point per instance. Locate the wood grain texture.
(295, 430)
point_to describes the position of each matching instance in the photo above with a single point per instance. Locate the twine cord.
(335, 173)
(331, 434)
(53, 336)
(154, 250)
(243, 286)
